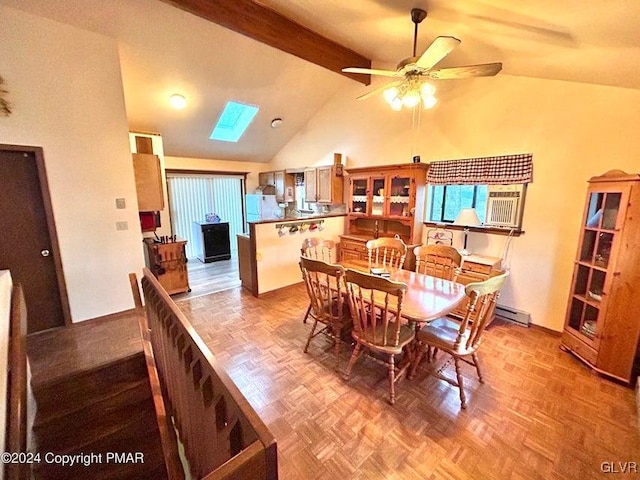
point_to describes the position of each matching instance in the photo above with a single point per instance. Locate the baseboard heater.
(513, 315)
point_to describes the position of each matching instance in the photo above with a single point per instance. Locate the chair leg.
(313, 329)
(352, 361)
(306, 315)
(474, 356)
(392, 380)
(463, 399)
(338, 343)
(419, 355)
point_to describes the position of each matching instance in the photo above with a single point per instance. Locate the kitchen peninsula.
(268, 255)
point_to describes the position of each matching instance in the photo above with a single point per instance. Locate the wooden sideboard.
(476, 268)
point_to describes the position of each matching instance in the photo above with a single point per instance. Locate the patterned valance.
(502, 170)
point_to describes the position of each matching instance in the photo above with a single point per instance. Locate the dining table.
(427, 298)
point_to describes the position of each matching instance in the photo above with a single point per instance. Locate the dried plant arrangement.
(5, 106)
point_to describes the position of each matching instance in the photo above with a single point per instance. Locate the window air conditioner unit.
(504, 205)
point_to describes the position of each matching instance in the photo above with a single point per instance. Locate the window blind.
(191, 197)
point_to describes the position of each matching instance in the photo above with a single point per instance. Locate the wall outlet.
(121, 203)
(122, 226)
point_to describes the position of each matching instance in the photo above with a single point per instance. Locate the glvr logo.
(619, 467)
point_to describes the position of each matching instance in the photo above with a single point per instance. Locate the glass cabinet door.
(591, 270)
(399, 196)
(378, 194)
(359, 200)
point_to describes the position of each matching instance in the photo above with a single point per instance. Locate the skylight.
(233, 121)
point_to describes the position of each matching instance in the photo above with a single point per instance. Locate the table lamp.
(469, 218)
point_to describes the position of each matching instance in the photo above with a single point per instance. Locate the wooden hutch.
(384, 201)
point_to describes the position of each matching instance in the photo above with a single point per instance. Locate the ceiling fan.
(412, 87)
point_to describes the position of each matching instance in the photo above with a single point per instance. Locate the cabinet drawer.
(477, 268)
(353, 246)
(579, 348)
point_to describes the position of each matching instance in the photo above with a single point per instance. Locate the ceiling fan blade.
(438, 49)
(369, 71)
(379, 89)
(483, 70)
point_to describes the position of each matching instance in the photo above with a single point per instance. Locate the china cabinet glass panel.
(359, 196)
(378, 195)
(603, 250)
(611, 207)
(400, 196)
(588, 245)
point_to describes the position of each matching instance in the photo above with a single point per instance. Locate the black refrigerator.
(212, 241)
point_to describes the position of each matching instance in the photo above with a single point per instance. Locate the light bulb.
(411, 99)
(396, 104)
(177, 101)
(390, 93)
(427, 90)
(429, 102)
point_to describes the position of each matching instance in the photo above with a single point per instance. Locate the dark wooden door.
(26, 246)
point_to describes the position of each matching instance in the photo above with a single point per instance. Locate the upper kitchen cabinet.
(283, 182)
(324, 185)
(387, 200)
(266, 178)
(148, 175)
(285, 186)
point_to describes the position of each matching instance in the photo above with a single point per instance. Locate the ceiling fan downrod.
(417, 16)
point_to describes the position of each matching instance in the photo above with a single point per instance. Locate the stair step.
(72, 393)
(78, 434)
(145, 442)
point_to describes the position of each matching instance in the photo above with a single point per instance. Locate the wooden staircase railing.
(223, 437)
(16, 435)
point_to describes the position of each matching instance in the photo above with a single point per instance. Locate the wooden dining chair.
(386, 253)
(325, 284)
(318, 249)
(440, 261)
(376, 310)
(461, 340)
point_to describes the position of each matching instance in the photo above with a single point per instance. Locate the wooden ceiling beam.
(271, 28)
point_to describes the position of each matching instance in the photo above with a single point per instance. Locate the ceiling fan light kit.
(412, 88)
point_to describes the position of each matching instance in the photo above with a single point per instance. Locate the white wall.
(278, 256)
(574, 131)
(66, 90)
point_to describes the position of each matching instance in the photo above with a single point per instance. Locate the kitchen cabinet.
(283, 182)
(285, 186)
(148, 176)
(387, 201)
(266, 178)
(168, 263)
(247, 263)
(324, 185)
(310, 184)
(602, 326)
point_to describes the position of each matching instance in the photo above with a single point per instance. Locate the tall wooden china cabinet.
(384, 201)
(602, 324)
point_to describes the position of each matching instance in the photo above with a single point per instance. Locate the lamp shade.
(467, 217)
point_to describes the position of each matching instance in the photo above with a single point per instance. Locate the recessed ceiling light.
(177, 101)
(276, 123)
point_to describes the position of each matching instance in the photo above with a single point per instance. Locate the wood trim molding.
(271, 28)
(493, 230)
(204, 172)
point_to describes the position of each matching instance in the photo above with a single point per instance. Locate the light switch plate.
(122, 226)
(121, 203)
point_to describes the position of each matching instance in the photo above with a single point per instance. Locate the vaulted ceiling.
(166, 50)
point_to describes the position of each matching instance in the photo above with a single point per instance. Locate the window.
(233, 121)
(446, 201)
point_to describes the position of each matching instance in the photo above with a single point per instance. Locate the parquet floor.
(540, 415)
(207, 278)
